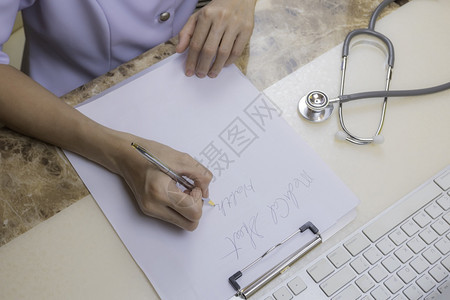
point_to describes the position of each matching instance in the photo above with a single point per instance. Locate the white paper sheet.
(267, 181)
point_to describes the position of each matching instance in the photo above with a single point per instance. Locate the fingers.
(196, 45)
(229, 50)
(187, 205)
(186, 33)
(204, 45)
(238, 48)
(203, 51)
(163, 200)
(189, 167)
(157, 194)
(216, 36)
(183, 164)
(184, 210)
(170, 215)
(171, 205)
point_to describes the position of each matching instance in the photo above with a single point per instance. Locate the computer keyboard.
(403, 253)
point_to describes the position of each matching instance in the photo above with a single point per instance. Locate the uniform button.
(164, 16)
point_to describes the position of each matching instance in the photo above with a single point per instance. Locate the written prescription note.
(267, 181)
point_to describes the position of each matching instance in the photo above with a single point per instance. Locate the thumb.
(186, 34)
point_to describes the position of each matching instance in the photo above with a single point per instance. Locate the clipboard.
(279, 268)
(253, 208)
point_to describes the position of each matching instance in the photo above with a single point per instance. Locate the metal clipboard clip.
(257, 284)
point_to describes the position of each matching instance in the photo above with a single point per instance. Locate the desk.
(56, 242)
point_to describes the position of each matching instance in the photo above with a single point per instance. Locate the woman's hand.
(216, 36)
(155, 192)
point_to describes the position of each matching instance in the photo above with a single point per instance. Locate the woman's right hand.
(156, 193)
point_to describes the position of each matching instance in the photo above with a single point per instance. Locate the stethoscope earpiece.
(378, 139)
(341, 135)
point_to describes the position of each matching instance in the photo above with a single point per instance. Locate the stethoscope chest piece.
(315, 106)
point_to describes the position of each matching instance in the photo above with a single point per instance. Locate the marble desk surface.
(37, 181)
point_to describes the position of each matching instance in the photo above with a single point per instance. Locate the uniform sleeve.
(8, 13)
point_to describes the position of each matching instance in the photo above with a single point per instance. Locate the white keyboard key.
(400, 212)
(440, 226)
(399, 236)
(357, 244)
(351, 292)
(419, 264)
(444, 202)
(400, 297)
(444, 180)
(337, 280)
(373, 255)
(407, 274)
(320, 270)
(438, 272)
(434, 210)
(359, 265)
(391, 263)
(433, 296)
(339, 257)
(380, 293)
(385, 246)
(422, 219)
(444, 287)
(365, 283)
(283, 294)
(378, 273)
(446, 217)
(410, 227)
(416, 244)
(446, 263)
(394, 284)
(296, 285)
(428, 235)
(426, 283)
(404, 254)
(413, 292)
(431, 255)
(443, 245)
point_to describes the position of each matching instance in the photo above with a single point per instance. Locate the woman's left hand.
(216, 36)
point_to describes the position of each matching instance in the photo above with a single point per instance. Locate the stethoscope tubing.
(389, 94)
(368, 31)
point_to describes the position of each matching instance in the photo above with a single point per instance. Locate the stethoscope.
(317, 107)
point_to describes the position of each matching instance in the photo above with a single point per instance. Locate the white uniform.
(70, 42)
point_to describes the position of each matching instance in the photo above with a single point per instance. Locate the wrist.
(102, 145)
(114, 148)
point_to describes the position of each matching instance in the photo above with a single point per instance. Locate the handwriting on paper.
(281, 206)
(246, 235)
(232, 200)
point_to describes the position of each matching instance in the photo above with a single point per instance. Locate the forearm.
(28, 108)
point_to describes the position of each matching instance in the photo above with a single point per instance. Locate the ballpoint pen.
(166, 170)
